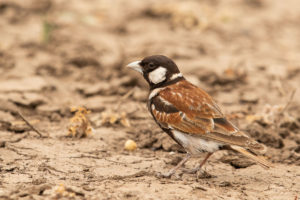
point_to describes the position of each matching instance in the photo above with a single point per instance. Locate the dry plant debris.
(62, 191)
(80, 125)
(272, 115)
(30, 125)
(110, 118)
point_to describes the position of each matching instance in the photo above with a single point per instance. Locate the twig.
(279, 86)
(200, 187)
(130, 92)
(280, 113)
(289, 101)
(124, 97)
(135, 175)
(29, 124)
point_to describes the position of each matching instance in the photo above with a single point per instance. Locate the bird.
(190, 116)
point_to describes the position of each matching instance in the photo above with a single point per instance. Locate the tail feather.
(261, 161)
(256, 147)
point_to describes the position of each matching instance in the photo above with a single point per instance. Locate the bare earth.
(56, 54)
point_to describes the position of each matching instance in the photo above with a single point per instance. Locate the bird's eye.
(151, 65)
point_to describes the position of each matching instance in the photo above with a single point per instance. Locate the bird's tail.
(261, 161)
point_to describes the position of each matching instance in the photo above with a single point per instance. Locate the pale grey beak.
(136, 66)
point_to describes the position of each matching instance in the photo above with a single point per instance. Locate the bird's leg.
(196, 169)
(173, 170)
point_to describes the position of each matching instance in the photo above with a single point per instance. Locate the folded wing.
(189, 109)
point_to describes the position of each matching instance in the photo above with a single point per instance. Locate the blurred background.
(58, 54)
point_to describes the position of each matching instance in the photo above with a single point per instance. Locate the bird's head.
(158, 70)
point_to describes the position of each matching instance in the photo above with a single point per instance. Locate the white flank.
(174, 76)
(158, 75)
(194, 144)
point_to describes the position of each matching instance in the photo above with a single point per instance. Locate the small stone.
(225, 184)
(249, 97)
(130, 145)
(2, 144)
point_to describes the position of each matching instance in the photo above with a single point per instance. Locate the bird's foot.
(199, 171)
(173, 170)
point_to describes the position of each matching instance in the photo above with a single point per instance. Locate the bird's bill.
(136, 66)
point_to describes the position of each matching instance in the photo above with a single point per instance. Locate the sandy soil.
(56, 54)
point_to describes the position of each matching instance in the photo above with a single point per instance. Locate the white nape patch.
(194, 144)
(174, 76)
(154, 92)
(158, 75)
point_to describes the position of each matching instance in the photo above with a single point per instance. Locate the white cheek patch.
(158, 75)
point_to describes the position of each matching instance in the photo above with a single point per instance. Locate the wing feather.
(194, 112)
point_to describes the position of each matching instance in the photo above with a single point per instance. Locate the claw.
(172, 171)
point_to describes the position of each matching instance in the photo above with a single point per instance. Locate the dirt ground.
(57, 54)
